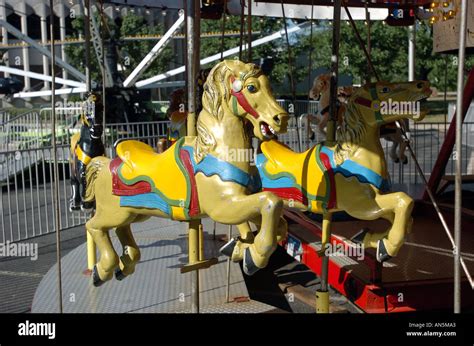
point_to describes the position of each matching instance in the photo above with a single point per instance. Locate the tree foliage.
(131, 52)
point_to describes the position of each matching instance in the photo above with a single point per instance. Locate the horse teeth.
(271, 129)
(262, 128)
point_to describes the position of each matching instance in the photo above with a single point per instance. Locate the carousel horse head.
(91, 107)
(234, 88)
(377, 104)
(383, 103)
(320, 84)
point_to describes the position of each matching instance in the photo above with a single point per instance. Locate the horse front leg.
(238, 209)
(401, 205)
(131, 252)
(109, 260)
(238, 245)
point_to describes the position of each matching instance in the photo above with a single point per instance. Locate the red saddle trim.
(119, 188)
(289, 193)
(194, 203)
(331, 204)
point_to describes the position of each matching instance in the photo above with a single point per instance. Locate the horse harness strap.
(326, 109)
(239, 98)
(374, 104)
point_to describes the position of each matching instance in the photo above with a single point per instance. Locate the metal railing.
(26, 196)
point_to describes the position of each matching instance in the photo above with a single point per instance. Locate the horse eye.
(385, 89)
(251, 88)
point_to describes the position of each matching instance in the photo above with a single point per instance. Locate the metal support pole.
(249, 31)
(361, 43)
(227, 291)
(331, 125)
(411, 52)
(322, 295)
(91, 246)
(458, 162)
(192, 26)
(55, 160)
(87, 46)
(106, 73)
(201, 242)
(369, 39)
(290, 73)
(193, 258)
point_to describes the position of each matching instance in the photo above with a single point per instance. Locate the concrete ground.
(20, 277)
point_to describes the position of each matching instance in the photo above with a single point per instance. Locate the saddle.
(294, 176)
(282, 158)
(145, 178)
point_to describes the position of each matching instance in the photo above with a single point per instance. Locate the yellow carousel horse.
(350, 175)
(209, 174)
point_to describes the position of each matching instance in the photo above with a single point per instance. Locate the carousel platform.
(157, 286)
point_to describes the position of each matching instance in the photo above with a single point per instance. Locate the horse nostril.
(277, 119)
(420, 85)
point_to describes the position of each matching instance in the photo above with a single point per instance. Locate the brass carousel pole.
(322, 295)
(192, 47)
(91, 247)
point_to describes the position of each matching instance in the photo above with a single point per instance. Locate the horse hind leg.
(109, 260)
(401, 205)
(131, 252)
(393, 152)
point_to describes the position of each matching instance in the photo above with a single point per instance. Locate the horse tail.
(92, 171)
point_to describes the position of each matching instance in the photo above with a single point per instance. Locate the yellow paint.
(301, 166)
(322, 302)
(82, 156)
(91, 252)
(178, 213)
(141, 160)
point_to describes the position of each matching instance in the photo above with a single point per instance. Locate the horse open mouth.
(266, 130)
(423, 107)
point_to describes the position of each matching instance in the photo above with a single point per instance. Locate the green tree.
(131, 51)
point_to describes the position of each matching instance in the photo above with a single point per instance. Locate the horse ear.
(231, 64)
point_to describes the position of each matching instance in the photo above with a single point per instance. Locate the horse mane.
(351, 131)
(216, 92)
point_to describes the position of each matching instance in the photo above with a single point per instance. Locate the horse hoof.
(87, 206)
(119, 275)
(382, 254)
(249, 266)
(405, 161)
(228, 248)
(358, 238)
(96, 280)
(397, 160)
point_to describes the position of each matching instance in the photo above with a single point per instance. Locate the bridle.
(239, 98)
(373, 104)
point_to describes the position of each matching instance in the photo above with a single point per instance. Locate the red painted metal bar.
(448, 144)
(374, 296)
(369, 260)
